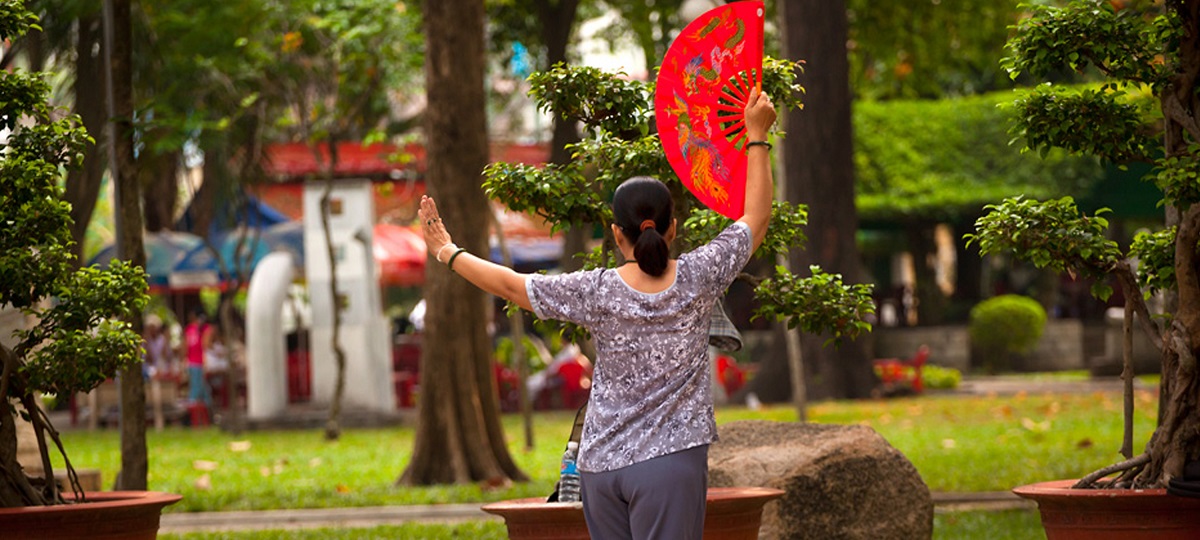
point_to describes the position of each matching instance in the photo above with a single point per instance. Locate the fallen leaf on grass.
(343, 488)
(239, 446)
(1085, 443)
(204, 483)
(205, 465)
(314, 462)
(1036, 427)
(949, 443)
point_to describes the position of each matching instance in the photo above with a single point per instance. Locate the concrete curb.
(319, 517)
(444, 513)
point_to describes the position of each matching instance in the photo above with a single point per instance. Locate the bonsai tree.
(617, 115)
(80, 337)
(1147, 110)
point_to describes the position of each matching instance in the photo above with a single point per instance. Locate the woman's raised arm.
(760, 184)
(499, 280)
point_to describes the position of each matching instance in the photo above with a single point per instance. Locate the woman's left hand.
(436, 236)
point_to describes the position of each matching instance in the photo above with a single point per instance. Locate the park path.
(445, 513)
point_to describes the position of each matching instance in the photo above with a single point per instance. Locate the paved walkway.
(394, 515)
(1008, 385)
(445, 513)
(320, 517)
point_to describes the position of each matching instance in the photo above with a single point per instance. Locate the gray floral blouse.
(651, 393)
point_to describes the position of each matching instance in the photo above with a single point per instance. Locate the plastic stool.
(198, 413)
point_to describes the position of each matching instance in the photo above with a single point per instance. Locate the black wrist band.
(763, 144)
(450, 263)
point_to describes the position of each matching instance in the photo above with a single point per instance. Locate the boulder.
(843, 482)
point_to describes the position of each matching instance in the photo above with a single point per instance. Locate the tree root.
(1130, 469)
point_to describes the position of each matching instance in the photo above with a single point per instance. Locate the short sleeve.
(564, 297)
(723, 257)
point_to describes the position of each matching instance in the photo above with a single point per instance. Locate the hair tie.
(648, 224)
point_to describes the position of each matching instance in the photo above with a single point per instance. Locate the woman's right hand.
(759, 114)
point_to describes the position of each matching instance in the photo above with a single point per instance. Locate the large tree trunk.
(134, 460)
(558, 20)
(819, 165)
(82, 188)
(1176, 441)
(159, 178)
(459, 436)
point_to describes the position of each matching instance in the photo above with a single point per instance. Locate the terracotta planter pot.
(732, 514)
(107, 515)
(1113, 514)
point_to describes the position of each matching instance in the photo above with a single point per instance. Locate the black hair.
(637, 200)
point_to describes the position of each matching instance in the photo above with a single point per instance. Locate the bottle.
(568, 480)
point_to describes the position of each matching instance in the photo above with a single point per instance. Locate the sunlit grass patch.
(956, 442)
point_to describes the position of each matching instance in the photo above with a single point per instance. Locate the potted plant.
(81, 336)
(1145, 110)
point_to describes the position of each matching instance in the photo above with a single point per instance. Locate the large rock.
(842, 482)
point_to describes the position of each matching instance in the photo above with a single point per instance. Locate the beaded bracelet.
(439, 251)
(763, 144)
(450, 263)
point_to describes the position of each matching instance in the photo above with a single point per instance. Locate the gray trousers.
(661, 498)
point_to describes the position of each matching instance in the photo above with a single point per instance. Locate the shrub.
(1005, 327)
(940, 378)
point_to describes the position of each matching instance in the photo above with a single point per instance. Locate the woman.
(197, 340)
(644, 451)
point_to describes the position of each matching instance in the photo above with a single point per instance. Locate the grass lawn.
(958, 443)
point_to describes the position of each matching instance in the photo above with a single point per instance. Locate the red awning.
(400, 255)
(296, 161)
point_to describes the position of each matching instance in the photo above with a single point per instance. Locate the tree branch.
(1181, 347)
(1175, 112)
(1127, 379)
(50, 489)
(752, 279)
(1133, 295)
(1090, 480)
(72, 476)
(1186, 278)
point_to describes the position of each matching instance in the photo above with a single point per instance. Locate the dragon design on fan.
(702, 89)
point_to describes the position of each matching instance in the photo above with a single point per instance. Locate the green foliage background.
(946, 159)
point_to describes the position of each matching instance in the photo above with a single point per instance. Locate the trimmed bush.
(940, 378)
(1003, 329)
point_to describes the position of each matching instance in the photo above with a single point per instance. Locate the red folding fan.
(701, 93)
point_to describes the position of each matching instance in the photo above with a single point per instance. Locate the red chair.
(508, 387)
(406, 369)
(896, 372)
(299, 375)
(732, 377)
(574, 389)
